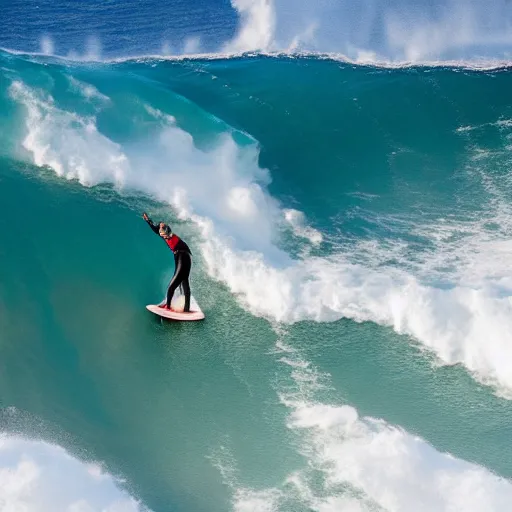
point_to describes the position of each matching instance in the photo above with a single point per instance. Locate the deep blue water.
(115, 28)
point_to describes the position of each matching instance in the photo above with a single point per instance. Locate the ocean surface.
(351, 243)
(351, 230)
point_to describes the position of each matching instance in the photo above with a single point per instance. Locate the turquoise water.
(351, 254)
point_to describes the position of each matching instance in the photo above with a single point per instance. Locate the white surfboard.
(178, 313)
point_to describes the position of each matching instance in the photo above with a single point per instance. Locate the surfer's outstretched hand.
(145, 216)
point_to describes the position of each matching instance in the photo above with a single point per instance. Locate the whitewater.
(331, 224)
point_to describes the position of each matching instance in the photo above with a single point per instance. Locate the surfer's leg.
(170, 291)
(176, 280)
(186, 291)
(186, 263)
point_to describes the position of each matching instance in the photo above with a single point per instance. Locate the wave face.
(400, 210)
(410, 197)
(366, 196)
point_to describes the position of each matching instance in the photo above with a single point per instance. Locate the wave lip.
(363, 60)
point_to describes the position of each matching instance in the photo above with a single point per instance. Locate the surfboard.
(194, 314)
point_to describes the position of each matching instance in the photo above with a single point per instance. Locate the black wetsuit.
(182, 265)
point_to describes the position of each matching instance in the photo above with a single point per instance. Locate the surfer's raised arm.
(150, 222)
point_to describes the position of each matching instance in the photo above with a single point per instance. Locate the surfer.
(182, 261)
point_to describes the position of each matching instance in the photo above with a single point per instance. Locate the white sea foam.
(393, 469)
(68, 143)
(159, 115)
(246, 500)
(88, 91)
(256, 26)
(360, 464)
(297, 220)
(224, 192)
(39, 477)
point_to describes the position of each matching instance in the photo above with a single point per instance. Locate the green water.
(157, 401)
(343, 354)
(149, 399)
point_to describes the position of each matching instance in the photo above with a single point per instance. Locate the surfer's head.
(164, 230)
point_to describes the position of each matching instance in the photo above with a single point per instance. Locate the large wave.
(223, 190)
